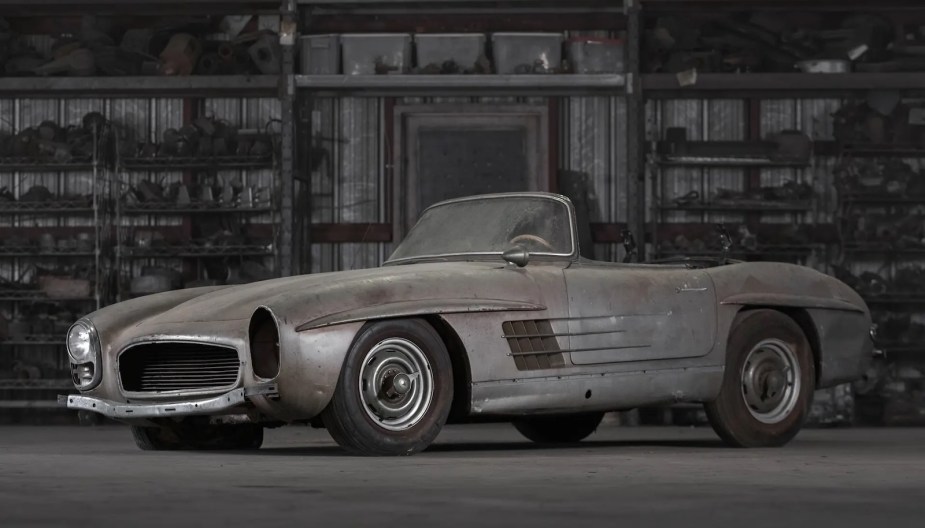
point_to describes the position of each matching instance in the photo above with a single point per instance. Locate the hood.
(298, 299)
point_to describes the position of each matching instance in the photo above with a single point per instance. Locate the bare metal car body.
(560, 335)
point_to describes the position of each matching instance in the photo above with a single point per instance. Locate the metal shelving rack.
(125, 252)
(40, 394)
(750, 209)
(892, 253)
(759, 86)
(25, 344)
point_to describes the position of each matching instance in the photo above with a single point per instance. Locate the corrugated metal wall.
(349, 185)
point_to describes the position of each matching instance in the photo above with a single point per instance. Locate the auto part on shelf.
(58, 287)
(78, 63)
(180, 55)
(824, 66)
(266, 54)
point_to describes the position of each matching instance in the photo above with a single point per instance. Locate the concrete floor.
(482, 475)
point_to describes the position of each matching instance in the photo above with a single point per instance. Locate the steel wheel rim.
(770, 381)
(396, 384)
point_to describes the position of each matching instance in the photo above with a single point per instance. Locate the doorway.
(449, 151)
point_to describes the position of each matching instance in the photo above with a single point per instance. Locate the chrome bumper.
(215, 405)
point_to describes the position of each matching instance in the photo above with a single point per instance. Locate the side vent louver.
(533, 344)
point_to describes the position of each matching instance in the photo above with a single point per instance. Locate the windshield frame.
(570, 211)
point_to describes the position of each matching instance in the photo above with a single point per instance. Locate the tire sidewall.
(350, 403)
(738, 425)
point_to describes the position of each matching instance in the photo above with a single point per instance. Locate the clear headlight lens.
(83, 347)
(80, 343)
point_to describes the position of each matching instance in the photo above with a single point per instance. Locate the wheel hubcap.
(396, 384)
(771, 381)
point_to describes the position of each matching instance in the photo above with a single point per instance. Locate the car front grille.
(157, 367)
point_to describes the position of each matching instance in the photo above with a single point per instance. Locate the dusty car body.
(545, 334)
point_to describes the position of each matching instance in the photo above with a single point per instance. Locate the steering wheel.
(533, 238)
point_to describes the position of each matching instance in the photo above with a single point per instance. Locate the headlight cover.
(83, 348)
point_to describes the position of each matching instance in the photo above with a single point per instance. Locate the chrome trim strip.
(573, 350)
(208, 406)
(565, 334)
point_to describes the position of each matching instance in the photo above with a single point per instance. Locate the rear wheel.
(559, 429)
(394, 392)
(198, 437)
(768, 384)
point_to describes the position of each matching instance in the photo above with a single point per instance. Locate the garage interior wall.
(351, 184)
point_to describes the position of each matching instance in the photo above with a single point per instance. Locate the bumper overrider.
(230, 401)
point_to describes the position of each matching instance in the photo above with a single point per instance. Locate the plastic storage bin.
(371, 54)
(319, 55)
(462, 49)
(595, 55)
(527, 52)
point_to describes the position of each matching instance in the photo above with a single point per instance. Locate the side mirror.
(517, 255)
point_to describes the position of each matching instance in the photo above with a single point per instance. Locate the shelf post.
(288, 36)
(635, 128)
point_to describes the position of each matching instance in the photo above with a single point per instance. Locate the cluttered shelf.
(546, 84)
(197, 251)
(744, 206)
(768, 251)
(34, 340)
(785, 149)
(37, 296)
(170, 208)
(778, 85)
(84, 206)
(881, 199)
(868, 150)
(197, 162)
(36, 384)
(884, 248)
(38, 252)
(30, 164)
(727, 162)
(137, 7)
(895, 298)
(153, 86)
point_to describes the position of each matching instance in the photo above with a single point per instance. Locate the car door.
(620, 313)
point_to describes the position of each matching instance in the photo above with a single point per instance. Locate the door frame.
(475, 116)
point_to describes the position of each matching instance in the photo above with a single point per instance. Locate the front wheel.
(183, 436)
(559, 429)
(768, 384)
(394, 392)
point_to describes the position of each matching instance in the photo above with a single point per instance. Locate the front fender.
(310, 365)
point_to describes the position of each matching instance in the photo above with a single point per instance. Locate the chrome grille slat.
(157, 367)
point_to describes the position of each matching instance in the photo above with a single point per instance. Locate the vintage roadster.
(484, 311)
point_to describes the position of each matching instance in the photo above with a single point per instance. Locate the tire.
(155, 439)
(198, 437)
(559, 429)
(368, 415)
(768, 383)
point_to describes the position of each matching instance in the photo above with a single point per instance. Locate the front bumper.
(210, 406)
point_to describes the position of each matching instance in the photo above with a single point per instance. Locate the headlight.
(80, 342)
(84, 350)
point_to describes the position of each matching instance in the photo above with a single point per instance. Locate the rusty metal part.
(79, 62)
(267, 54)
(217, 405)
(180, 55)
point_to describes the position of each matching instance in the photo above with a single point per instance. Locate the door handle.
(685, 289)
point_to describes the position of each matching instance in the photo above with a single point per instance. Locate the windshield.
(490, 225)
